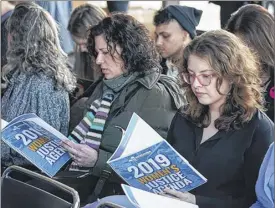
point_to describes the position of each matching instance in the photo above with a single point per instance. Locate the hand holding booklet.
(37, 141)
(139, 198)
(148, 162)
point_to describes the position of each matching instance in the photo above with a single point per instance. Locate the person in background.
(82, 18)
(227, 8)
(255, 26)
(265, 182)
(38, 80)
(60, 11)
(175, 28)
(132, 82)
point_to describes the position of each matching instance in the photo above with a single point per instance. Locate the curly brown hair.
(232, 61)
(138, 49)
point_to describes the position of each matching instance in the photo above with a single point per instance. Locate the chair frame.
(54, 183)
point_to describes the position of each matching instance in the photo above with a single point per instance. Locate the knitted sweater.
(33, 93)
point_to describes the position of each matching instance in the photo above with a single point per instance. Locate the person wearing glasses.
(222, 131)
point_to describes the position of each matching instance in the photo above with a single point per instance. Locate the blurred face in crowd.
(81, 43)
(171, 39)
(111, 65)
(203, 80)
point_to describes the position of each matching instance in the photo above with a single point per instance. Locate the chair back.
(16, 193)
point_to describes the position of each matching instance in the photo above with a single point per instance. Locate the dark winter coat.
(154, 97)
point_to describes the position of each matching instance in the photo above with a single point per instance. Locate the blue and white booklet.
(37, 141)
(148, 162)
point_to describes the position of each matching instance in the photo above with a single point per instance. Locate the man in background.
(175, 28)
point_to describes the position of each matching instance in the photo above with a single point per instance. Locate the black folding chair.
(16, 193)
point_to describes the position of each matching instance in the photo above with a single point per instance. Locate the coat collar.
(149, 78)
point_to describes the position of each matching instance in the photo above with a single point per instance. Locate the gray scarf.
(116, 84)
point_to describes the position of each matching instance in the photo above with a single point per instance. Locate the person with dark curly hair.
(131, 82)
(37, 77)
(256, 26)
(222, 131)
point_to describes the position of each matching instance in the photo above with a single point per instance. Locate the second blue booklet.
(37, 141)
(146, 161)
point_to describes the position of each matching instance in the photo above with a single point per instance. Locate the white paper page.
(143, 136)
(148, 200)
(3, 124)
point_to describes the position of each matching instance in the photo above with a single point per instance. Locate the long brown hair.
(256, 26)
(35, 46)
(83, 17)
(232, 61)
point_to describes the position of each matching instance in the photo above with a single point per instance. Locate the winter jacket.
(154, 97)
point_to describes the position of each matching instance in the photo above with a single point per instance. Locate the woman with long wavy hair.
(87, 72)
(223, 131)
(256, 26)
(37, 77)
(82, 18)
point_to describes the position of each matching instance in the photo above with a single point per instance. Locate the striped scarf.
(89, 130)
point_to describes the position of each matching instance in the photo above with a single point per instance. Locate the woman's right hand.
(183, 196)
(82, 154)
